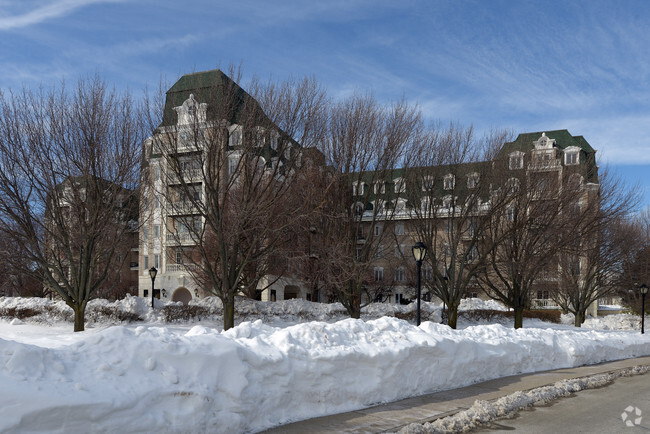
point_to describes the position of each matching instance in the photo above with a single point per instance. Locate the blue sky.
(523, 65)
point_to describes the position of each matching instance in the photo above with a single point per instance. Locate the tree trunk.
(452, 316)
(519, 317)
(579, 318)
(79, 317)
(228, 312)
(355, 307)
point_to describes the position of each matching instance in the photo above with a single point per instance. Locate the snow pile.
(477, 303)
(484, 412)
(255, 376)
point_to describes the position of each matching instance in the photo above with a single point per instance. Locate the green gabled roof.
(211, 87)
(563, 139)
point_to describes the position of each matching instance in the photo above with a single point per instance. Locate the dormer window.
(380, 188)
(191, 111)
(516, 160)
(571, 156)
(400, 185)
(448, 182)
(427, 183)
(472, 180)
(358, 188)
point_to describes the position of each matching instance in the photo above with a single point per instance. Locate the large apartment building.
(390, 211)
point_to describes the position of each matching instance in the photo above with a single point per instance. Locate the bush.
(18, 312)
(490, 315)
(174, 313)
(102, 313)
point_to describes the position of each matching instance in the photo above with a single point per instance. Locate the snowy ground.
(193, 377)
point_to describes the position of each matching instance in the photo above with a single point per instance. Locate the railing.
(181, 268)
(548, 276)
(183, 238)
(188, 176)
(544, 164)
(544, 303)
(183, 207)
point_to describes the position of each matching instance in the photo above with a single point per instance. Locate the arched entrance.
(183, 295)
(291, 292)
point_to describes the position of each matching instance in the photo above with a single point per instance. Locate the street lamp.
(419, 253)
(152, 273)
(644, 290)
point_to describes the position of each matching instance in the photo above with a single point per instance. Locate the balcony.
(189, 176)
(544, 165)
(543, 303)
(181, 268)
(182, 207)
(182, 239)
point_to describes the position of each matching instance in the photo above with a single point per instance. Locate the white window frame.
(399, 274)
(516, 160)
(428, 183)
(380, 187)
(399, 228)
(472, 180)
(400, 185)
(572, 156)
(449, 182)
(378, 273)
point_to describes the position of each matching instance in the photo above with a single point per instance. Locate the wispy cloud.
(10, 20)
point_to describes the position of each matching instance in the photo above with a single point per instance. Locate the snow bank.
(255, 376)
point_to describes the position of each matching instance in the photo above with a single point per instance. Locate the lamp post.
(152, 273)
(644, 290)
(419, 253)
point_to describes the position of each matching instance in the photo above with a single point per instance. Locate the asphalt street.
(621, 407)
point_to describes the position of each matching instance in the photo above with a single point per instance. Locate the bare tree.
(592, 262)
(69, 166)
(527, 234)
(364, 146)
(229, 169)
(449, 188)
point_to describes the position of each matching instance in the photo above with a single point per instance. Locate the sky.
(521, 65)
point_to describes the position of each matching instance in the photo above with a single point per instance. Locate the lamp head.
(419, 251)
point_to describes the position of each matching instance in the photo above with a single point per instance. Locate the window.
(156, 260)
(380, 187)
(574, 267)
(360, 233)
(233, 162)
(516, 160)
(379, 274)
(400, 185)
(472, 255)
(156, 172)
(359, 254)
(146, 262)
(472, 180)
(512, 185)
(377, 230)
(427, 272)
(399, 274)
(428, 183)
(471, 228)
(511, 214)
(156, 202)
(357, 189)
(446, 202)
(571, 157)
(449, 182)
(235, 137)
(156, 231)
(145, 234)
(179, 257)
(358, 209)
(399, 228)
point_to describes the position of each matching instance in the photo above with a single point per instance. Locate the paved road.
(589, 411)
(391, 417)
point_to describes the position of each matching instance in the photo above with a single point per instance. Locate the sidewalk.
(426, 408)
